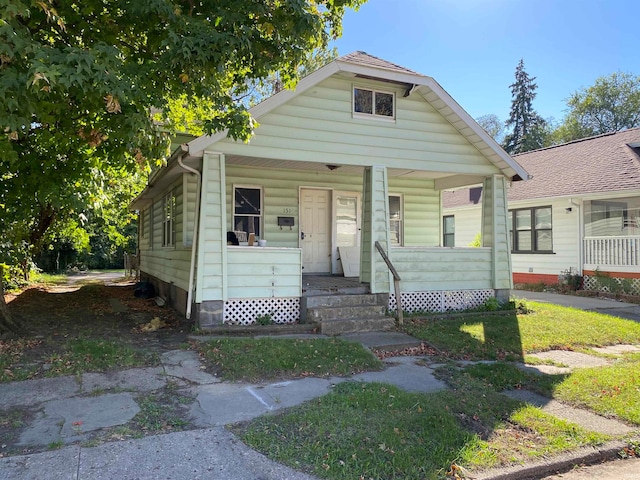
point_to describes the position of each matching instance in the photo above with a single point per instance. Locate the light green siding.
(495, 229)
(211, 269)
(421, 204)
(375, 229)
(189, 190)
(256, 272)
(434, 269)
(167, 263)
(318, 125)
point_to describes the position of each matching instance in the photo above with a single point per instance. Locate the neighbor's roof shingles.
(605, 163)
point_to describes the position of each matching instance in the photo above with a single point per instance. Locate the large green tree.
(611, 104)
(80, 81)
(492, 124)
(528, 130)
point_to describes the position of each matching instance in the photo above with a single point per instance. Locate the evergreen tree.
(528, 130)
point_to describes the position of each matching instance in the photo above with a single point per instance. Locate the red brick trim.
(545, 278)
(592, 273)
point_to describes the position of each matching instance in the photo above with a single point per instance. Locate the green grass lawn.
(377, 431)
(509, 337)
(273, 358)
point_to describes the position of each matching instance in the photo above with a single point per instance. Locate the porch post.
(375, 227)
(211, 281)
(495, 233)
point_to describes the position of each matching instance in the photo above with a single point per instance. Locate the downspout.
(194, 240)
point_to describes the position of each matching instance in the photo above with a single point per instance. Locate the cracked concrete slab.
(62, 464)
(69, 419)
(186, 365)
(407, 373)
(584, 418)
(139, 379)
(617, 349)
(34, 392)
(572, 359)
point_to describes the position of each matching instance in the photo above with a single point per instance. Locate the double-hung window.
(367, 102)
(530, 230)
(247, 210)
(448, 231)
(395, 220)
(168, 220)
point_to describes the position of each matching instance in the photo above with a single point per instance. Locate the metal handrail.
(396, 280)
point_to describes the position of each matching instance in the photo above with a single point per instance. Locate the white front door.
(315, 230)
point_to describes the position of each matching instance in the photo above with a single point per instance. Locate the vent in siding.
(245, 311)
(440, 301)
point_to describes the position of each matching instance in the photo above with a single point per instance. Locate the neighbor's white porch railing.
(604, 252)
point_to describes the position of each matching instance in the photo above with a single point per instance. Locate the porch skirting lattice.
(440, 301)
(247, 310)
(611, 284)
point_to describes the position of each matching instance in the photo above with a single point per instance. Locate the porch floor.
(332, 284)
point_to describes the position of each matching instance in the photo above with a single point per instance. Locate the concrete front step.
(320, 314)
(316, 301)
(355, 325)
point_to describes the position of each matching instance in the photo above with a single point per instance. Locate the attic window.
(373, 102)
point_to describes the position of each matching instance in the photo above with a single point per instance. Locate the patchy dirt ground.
(87, 308)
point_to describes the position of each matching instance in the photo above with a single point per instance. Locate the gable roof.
(605, 163)
(361, 64)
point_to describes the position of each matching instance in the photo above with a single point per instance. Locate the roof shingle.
(605, 163)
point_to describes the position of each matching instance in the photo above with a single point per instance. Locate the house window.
(373, 102)
(168, 217)
(395, 220)
(530, 230)
(448, 231)
(247, 210)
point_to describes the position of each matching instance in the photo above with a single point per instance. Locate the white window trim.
(233, 206)
(168, 220)
(401, 219)
(370, 116)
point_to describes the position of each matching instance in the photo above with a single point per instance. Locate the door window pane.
(346, 221)
(395, 219)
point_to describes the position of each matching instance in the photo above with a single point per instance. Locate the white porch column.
(375, 227)
(495, 233)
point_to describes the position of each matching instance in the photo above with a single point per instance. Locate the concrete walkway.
(70, 410)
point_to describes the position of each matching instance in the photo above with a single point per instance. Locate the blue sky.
(472, 47)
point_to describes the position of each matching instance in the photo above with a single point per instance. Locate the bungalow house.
(580, 212)
(342, 172)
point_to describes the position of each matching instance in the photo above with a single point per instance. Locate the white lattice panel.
(245, 311)
(627, 285)
(440, 301)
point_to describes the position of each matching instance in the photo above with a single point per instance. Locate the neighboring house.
(579, 212)
(357, 155)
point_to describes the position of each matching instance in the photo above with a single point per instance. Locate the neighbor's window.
(395, 219)
(247, 210)
(530, 230)
(168, 217)
(448, 231)
(372, 102)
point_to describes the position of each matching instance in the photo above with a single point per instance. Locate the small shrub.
(265, 319)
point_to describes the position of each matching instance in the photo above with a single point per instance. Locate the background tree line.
(611, 104)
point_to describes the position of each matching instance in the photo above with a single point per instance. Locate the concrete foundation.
(208, 314)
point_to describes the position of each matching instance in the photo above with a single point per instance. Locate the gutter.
(194, 241)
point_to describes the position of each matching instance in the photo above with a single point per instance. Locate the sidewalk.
(73, 410)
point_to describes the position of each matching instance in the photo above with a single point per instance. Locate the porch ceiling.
(322, 167)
